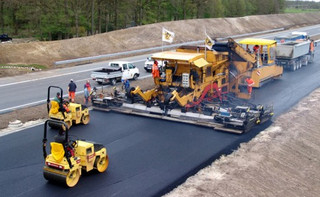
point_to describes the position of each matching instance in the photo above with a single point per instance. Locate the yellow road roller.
(70, 113)
(69, 157)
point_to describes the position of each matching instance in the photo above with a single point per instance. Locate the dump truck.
(201, 87)
(294, 51)
(294, 36)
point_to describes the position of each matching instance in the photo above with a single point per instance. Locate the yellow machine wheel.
(72, 178)
(85, 119)
(102, 164)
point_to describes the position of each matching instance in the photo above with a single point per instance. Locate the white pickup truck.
(114, 72)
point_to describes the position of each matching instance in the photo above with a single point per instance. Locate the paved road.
(31, 89)
(147, 156)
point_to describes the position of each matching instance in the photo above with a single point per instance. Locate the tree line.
(63, 19)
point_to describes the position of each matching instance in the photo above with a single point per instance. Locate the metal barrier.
(155, 48)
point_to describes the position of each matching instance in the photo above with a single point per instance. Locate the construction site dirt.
(283, 160)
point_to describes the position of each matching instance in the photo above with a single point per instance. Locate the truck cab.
(129, 71)
(294, 36)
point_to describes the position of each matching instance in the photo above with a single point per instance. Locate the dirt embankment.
(283, 160)
(46, 53)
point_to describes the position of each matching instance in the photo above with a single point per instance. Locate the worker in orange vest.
(312, 46)
(256, 49)
(155, 71)
(250, 83)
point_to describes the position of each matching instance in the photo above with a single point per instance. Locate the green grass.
(36, 66)
(293, 10)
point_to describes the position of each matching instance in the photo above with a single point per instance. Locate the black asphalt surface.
(148, 157)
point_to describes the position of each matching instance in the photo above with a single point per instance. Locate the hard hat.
(71, 79)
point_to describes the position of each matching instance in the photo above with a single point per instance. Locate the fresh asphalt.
(148, 157)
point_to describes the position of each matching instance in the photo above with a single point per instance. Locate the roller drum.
(69, 178)
(54, 125)
(58, 177)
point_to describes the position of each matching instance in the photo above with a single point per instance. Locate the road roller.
(69, 157)
(70, 113)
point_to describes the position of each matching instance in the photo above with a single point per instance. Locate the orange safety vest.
(155, 71)
(312, 46)
(250, 82)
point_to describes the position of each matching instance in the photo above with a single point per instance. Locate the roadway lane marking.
(82, 80)
(26, 125)
(44, 101)
(21, 106)
(32, 80)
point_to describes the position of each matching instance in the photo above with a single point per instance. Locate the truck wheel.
(294, 66)
(113, 81)
(135, 76)
(299, 64)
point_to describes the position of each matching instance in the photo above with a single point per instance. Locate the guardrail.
(155, 48)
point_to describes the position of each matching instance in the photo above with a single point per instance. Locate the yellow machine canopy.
(257, 41)
(196, 58)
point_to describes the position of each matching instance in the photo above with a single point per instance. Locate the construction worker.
(126, 85)
(256, 49)
(86, 95)
(72, 90)
(88, 85)
(155, 72)
(250, 83)
(87, 92)
(60, 138)
(57, 98)
(312, 46)
(57, 106)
